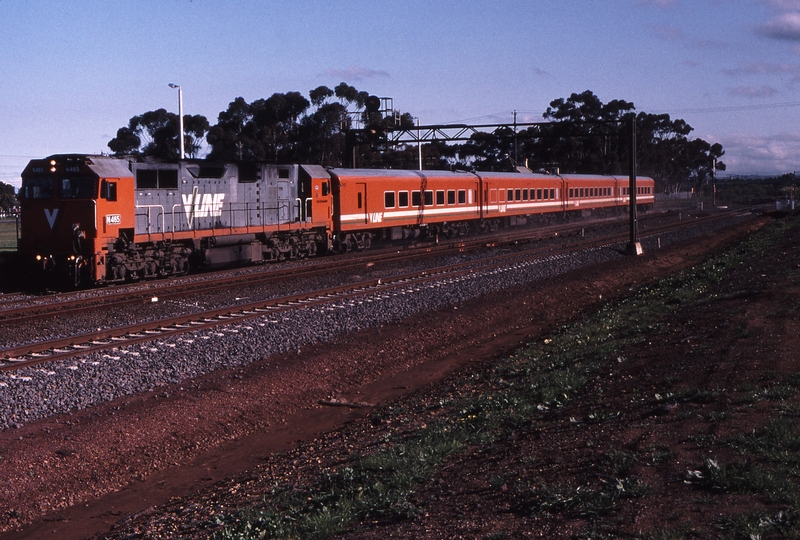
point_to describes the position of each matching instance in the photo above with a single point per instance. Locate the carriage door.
(361, 202)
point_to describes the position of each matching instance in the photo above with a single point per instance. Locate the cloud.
(785, 26)
(785, 5)
(356, 73)
(766, 68)
(749, 154)
(751, 92)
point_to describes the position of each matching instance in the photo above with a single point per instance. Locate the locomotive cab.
(73, 208)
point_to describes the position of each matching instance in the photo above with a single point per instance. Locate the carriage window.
(429, 198)
(38, 188)
(403, 199)
(510, 195)
(78, 188)
(388, 199)
(360, 201)
(517, 194)
(462, 196)
(525, 194)
(492, 195)
(415, 200)
(440, 197)
(451, 196)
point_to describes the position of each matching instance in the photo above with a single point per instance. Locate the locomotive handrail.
(174, 206)
(148, 207)
(300, 209)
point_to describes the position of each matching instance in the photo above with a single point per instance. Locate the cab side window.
(108, 190)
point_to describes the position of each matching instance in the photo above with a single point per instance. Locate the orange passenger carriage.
(510, 199)
(586, 192)
(397, 204)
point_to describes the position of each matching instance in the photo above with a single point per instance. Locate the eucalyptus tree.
(157, 133)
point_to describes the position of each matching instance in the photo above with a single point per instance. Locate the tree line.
(582, 135)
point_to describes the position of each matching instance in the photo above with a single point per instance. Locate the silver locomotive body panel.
(175, 198)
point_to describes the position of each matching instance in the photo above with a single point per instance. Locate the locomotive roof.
(103, 166)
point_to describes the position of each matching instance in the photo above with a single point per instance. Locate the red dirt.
(75, 476)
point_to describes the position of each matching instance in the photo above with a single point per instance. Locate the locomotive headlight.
(38, 257)
(52, 165)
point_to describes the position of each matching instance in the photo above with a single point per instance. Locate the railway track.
(119, 337)
(67, 304)
(75, 302)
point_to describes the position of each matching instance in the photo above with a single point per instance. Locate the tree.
(232, 138)
(8, 199)
(264, 130)
(319, 96)
(156, 134)
(583, 137)
(489, 151)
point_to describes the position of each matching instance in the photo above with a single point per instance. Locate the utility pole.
(516, 158)
(419, 145)
(634, 246)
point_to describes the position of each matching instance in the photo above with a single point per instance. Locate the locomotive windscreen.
(80, 187)
(37, 188)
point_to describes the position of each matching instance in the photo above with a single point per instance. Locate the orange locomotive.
(96, 219)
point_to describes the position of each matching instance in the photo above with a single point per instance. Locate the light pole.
(180, 114)
(419, 145)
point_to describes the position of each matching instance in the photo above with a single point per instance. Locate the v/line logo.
(51, 216)
(198, 205)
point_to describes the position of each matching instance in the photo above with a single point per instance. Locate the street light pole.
(180, 115)
(419, 145)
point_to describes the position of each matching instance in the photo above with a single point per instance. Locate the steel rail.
(61, 348)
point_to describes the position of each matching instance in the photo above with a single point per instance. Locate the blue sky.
(74, 71)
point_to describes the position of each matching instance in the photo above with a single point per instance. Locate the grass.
(526, 386)
(8, 235)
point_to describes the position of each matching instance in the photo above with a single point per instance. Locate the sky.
(72, 72)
